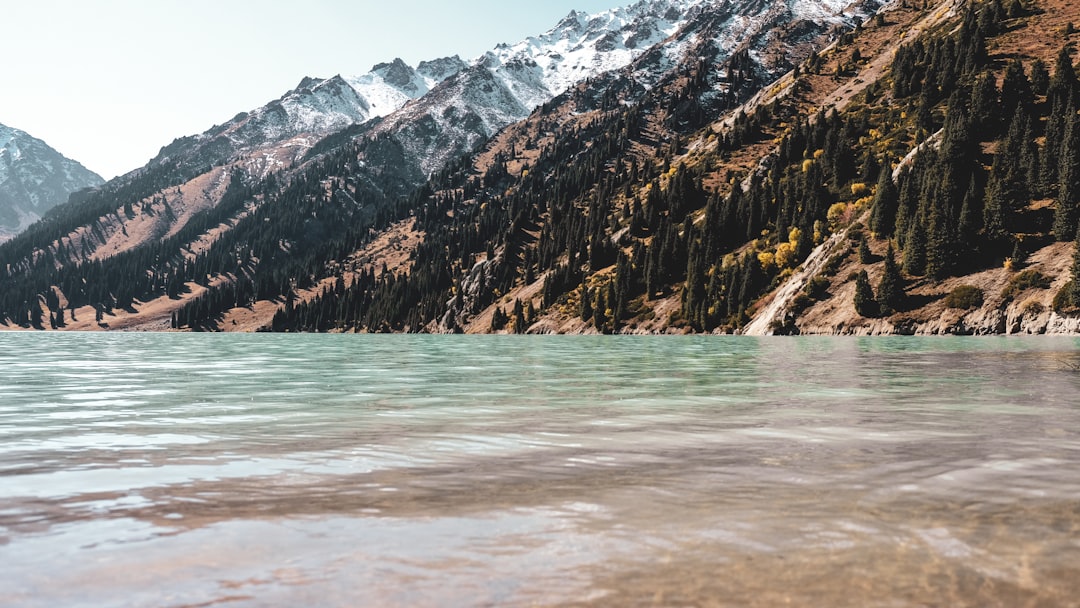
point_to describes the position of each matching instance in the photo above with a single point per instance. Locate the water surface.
(204, 470)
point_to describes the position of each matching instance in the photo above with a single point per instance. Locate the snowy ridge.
(533, 71)
(582, 46)
(528, 75)
(322, 106)
(506, 84)
(33, 179)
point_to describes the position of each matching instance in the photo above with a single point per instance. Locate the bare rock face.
(396, 73)
(442, 68)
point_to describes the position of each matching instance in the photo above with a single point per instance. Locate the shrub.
(855, 232)
(800, 303)
(832, 266)
(1028, 279)
(837, 215)
(1032, 306)
(1063, 299)
(964, 297)
(785, 255)
(817, 287)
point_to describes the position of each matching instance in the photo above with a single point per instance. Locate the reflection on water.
(194, 470)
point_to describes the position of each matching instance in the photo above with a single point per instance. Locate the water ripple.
(504, 470)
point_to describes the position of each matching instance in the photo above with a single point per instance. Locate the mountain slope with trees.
(947, 164)
(896, 171)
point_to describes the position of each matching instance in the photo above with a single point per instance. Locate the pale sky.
(109, 82)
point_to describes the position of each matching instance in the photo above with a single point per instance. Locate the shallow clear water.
(199, 470)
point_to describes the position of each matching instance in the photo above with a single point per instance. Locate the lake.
(355, 470)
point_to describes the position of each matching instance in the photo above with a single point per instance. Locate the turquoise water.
(198, 470)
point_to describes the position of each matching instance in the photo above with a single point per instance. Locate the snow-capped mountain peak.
(581, 46)
(527, 74)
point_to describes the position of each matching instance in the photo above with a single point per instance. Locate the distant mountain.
(414, 120)
(33, 179)
(497, 88)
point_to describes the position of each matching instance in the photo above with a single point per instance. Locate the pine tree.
(890, 290)
(915, 244)
(585, 307)
(1074, 284)
(517, 318)
(865, 304)
(886, 201)
(970, 215)
(984, 103)
(995, 207)
(1060, 100)
(940, 246)
(498, 319)
(865, 256)
(1040, 77)
(1067, 212)
(1064, 83)
(1016, 91)
(1016, 259)
(36, 314)
(600, 318)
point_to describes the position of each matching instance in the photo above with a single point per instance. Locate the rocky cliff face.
(33, 179)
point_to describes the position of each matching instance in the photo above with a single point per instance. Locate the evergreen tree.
(1074, 284)
(865, 256)
(914, 257)
(995, 206)
(36, 315)
(1016, 259)
(890, 290)
(585, 307)
(1016, 91)
(1060, 100)
(600, 318)
(517, 318)
(886, 201)
(984, 103)
(1064, 83)
(865, 304)
(940, 255)
(970, 214)
(498, 319)
(1067, 212)
(1040, 77)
